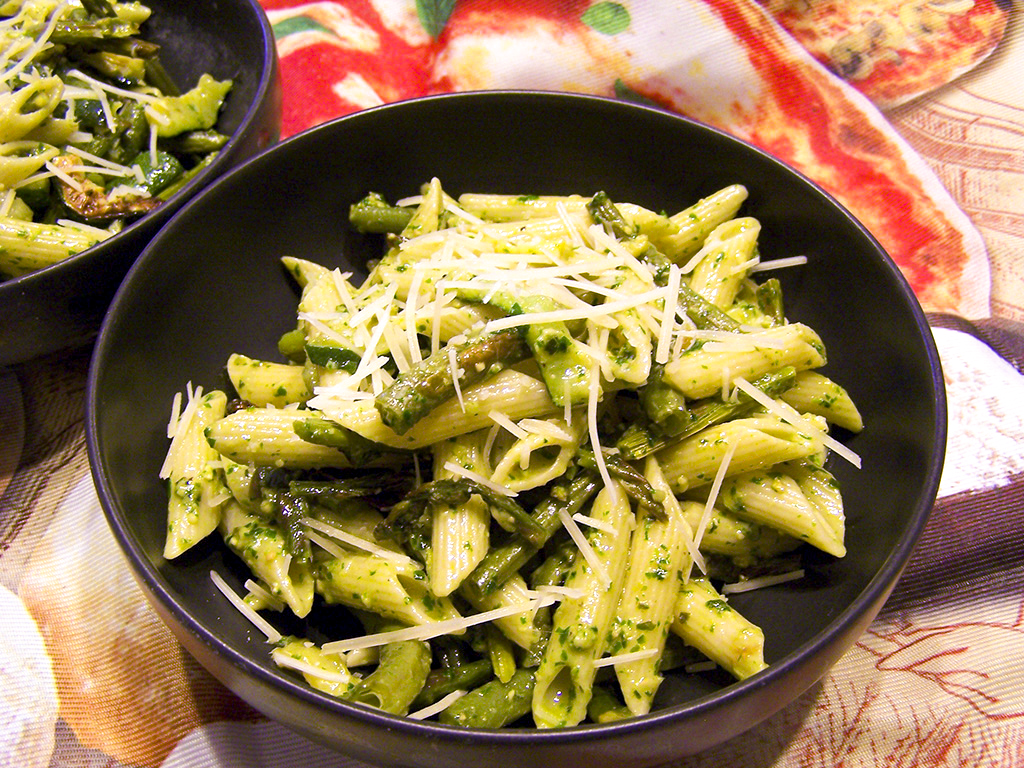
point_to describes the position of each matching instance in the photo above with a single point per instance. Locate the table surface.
(91, 676)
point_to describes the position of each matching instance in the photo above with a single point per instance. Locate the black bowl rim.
(13, 285)
(859, 612)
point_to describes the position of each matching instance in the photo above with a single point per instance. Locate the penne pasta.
(527, 447)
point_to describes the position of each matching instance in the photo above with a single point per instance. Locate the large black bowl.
(211, 284)
(63, 305)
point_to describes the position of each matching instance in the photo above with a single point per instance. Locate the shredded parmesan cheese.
(437, 628)
(790, 261)
(260, 593)
(760, 582)
(584, 546)
(507, 423)
(182, 426)
(626, 658)
(355, 541)
(668, 315)
(593, 522)
(282, 659)
(457, 469)
(257, 621)
(456, 375)
(438, 706)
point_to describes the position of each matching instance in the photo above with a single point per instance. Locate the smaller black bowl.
(211, 283)
(61, 306)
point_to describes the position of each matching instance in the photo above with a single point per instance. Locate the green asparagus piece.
(769, 300)
(373, 214)
(453, 493)
(556, 566)
(633, 482)
(603, 211)
(604, 707)
(126, 69)
(357, 449)
(441, 682)
(155, 177)
(506, 559)
(184, 179)
(337, 494)
(132, 47)
(196, 142)
(289, 511)
(663, 404)
(98, 8)
(426, 385)
(494, 704)
(450, 652)
(134, 134)
(640, 441)
(73, 32)
(159, 77)
(292, 344)
(703, 313)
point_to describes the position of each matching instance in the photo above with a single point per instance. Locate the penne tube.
(197, 489)
(706, 621)
(579, 633)
(720, 271)
(266, 437)
(514, 394)
(382, 586)
(264, 383)
(703, 370)
(262, 546)
(658, 560)
(819, 395)
(761, 442)
(775, 499)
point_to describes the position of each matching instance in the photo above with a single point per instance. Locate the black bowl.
(211, 284)
(62, 305)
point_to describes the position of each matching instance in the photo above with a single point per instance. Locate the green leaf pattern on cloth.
(434, 14)
(607, 18)
(295, 24)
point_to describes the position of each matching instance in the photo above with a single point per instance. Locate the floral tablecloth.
(911, 114)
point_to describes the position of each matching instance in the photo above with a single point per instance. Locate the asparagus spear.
(452, 493)
(494, 704)
(506, 559)
(441, 682)
(703, 313)
(357, 449)
(769, 300)
(373, 214)
(663, 404)
(431, 382)
(634, 483)
(603, 211)
(639, 441)
(74, 32)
